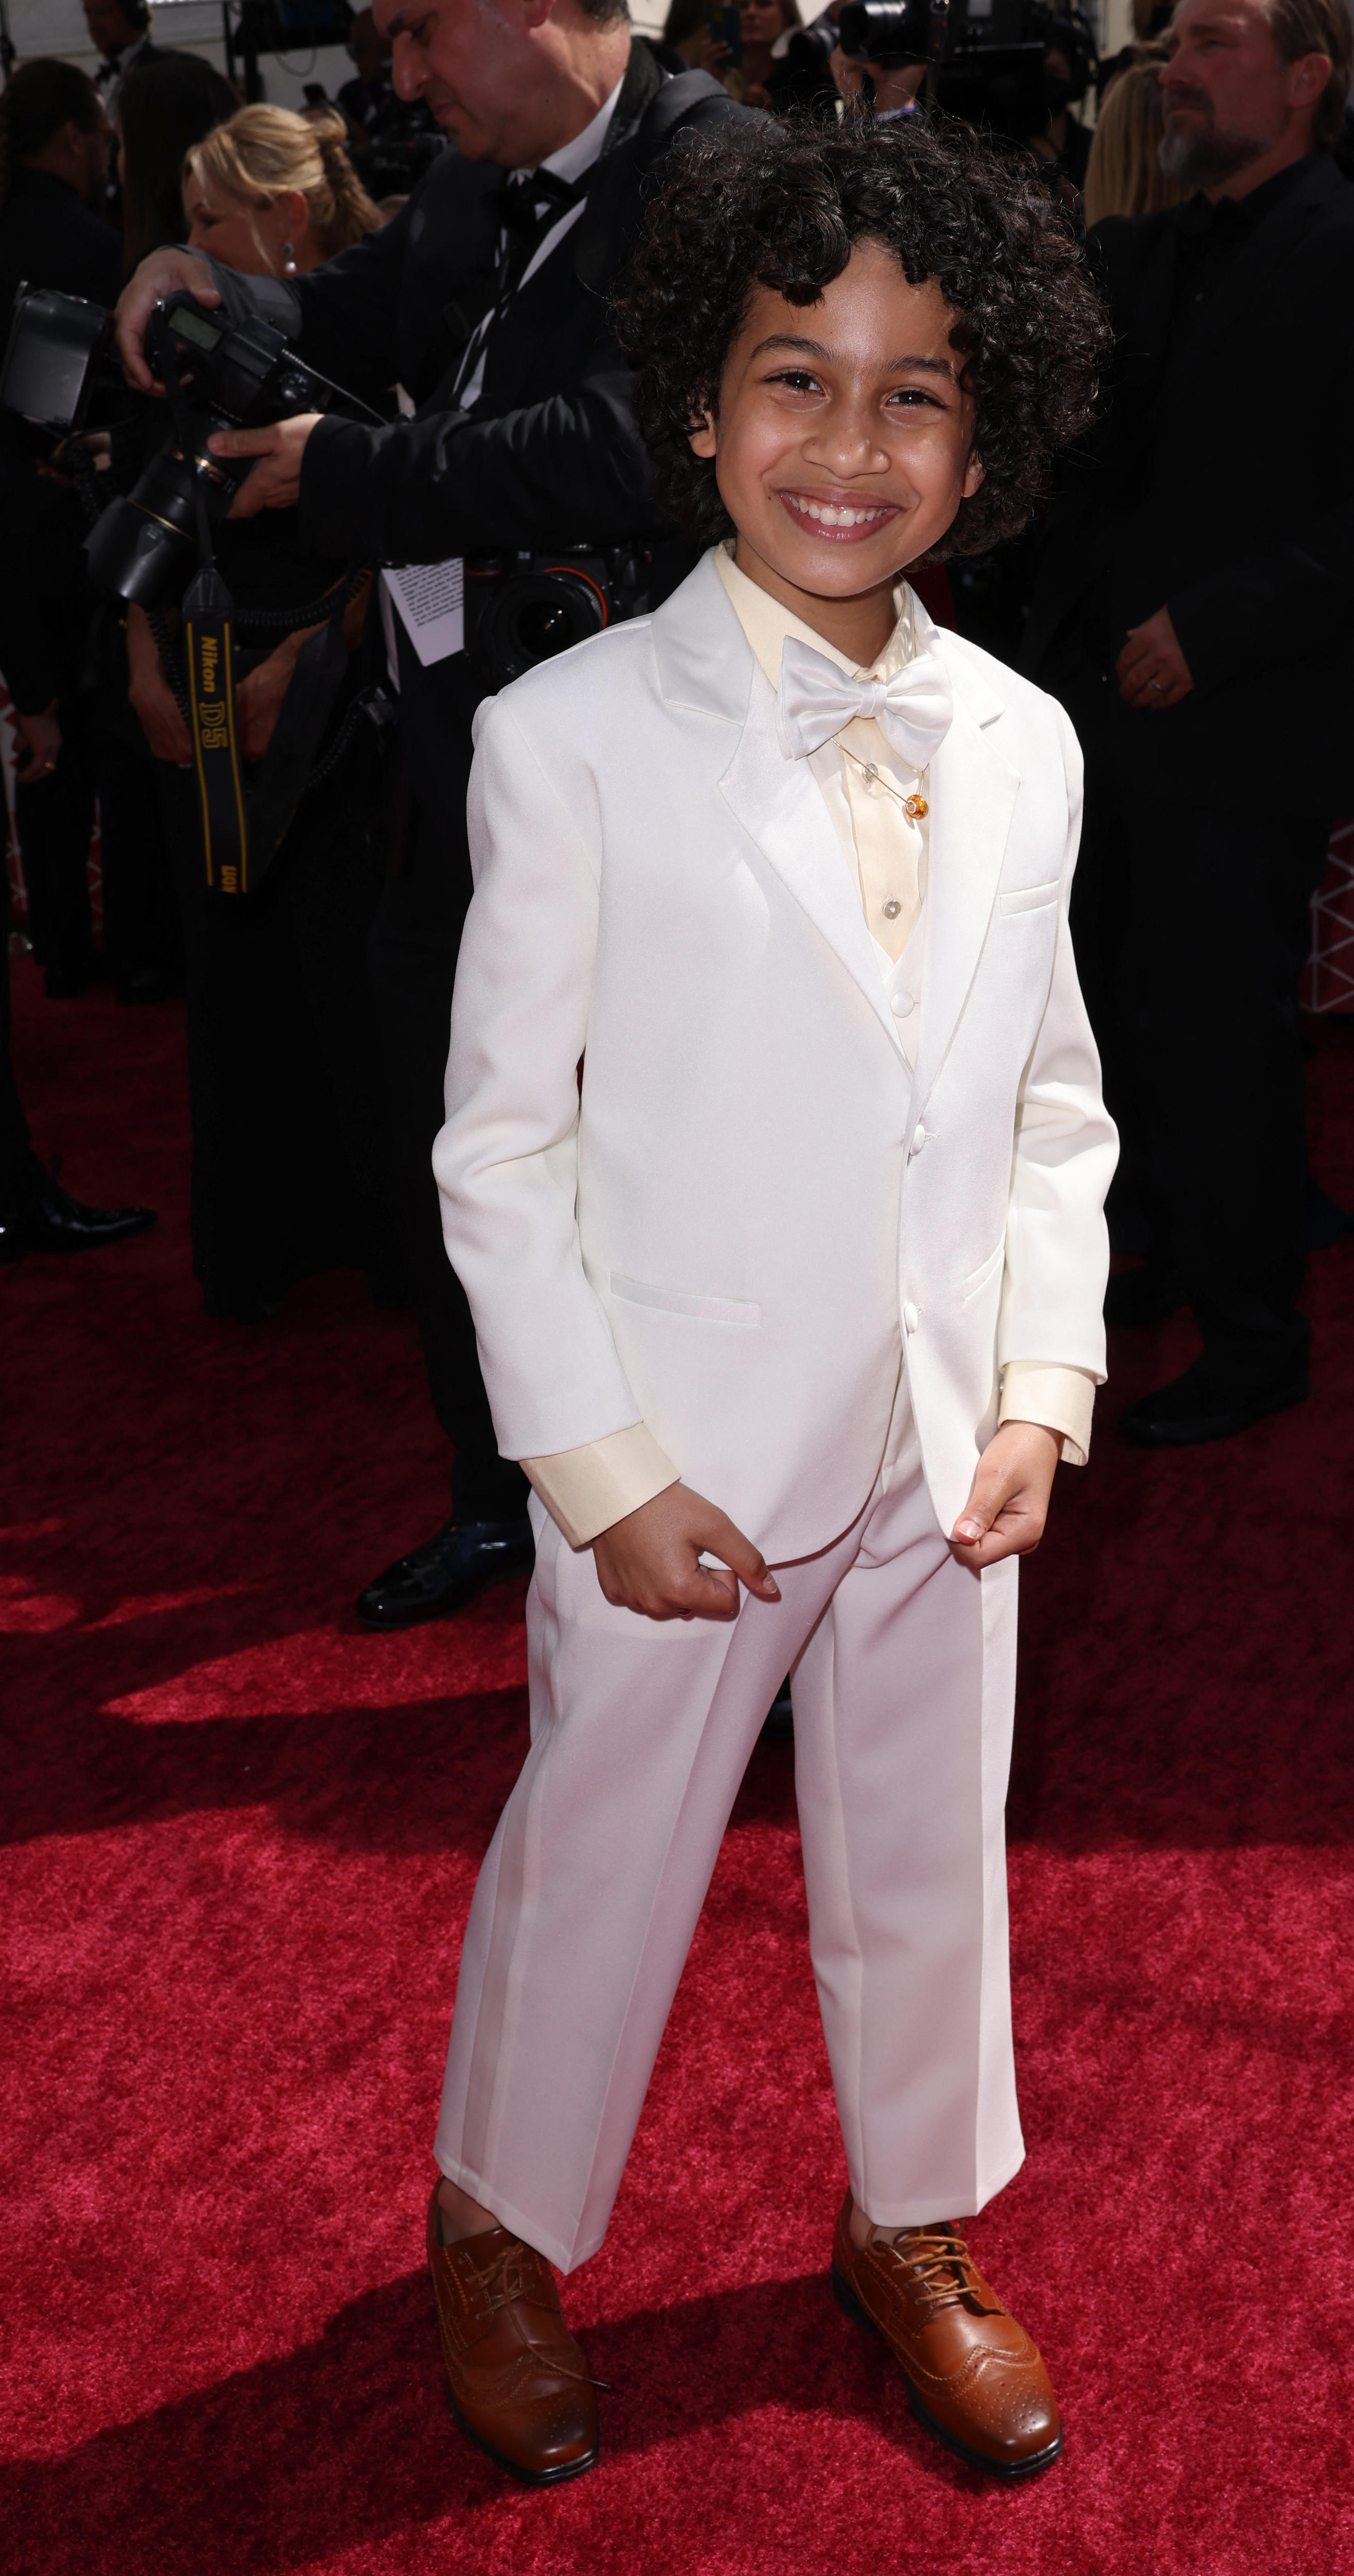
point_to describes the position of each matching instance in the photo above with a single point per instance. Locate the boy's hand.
(649, 1561)
(1006, 1511)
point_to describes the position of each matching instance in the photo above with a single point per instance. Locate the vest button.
(918, 1139)
(902, 1005)
(911, 1319)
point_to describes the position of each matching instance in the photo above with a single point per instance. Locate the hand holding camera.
(275, 480)
(165, 273)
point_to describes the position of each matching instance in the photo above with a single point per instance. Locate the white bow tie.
(816, 698)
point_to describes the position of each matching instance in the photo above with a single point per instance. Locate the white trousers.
(903, 1666)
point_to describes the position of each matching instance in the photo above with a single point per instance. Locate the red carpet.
(240, 1844)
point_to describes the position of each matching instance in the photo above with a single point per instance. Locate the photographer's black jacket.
(47, 238)
(551, 454)
(1221, 485)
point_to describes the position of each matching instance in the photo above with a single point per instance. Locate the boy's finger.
(716, 1595)
(746, 1561)
(987, 1498)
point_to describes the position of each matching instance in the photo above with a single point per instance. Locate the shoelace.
(939, 2264)
(502, 2282)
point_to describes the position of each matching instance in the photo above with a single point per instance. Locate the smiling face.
(843, 441)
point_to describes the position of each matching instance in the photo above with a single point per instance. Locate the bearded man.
(1195, 612)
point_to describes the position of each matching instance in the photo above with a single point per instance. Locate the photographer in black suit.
(1195, 612)
(486, 300)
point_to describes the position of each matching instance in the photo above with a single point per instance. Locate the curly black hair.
(780, 204)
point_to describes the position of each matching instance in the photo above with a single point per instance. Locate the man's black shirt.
(1219, 485)
(1211, 239)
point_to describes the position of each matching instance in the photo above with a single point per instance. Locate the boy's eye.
(798, 380)
(913, 396)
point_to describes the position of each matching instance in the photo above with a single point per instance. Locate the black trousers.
(101, 756)
(415, 939)
(54, 819)
(291, 1143)
(16, 1150)
(141, 926)
(1191, 926)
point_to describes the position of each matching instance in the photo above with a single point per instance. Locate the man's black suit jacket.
(551, 454)
(1222, 487)
(47, 238)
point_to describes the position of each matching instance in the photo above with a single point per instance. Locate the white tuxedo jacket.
(727, 1231)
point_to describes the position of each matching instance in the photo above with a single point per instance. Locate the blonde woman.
(282, 1040)
(1124, 175)
(273, 194)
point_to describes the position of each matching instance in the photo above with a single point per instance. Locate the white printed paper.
(431, 600)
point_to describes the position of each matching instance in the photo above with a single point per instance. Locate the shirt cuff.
(1061, 1399)
(586, 1490)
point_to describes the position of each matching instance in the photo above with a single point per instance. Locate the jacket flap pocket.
(986, 1270)
(674, 1301)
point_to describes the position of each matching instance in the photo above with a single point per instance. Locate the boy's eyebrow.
(815, 349)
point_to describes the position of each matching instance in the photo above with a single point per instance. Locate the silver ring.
(1156, 684)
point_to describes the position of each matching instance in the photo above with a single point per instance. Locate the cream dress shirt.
(865, 789)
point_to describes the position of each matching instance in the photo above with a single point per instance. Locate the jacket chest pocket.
(1035, 898)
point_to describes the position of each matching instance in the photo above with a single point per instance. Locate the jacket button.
(918, 1139)
(911, 1318)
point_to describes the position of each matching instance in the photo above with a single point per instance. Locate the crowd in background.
(292, 1143)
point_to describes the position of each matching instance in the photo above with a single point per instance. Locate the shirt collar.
(1238, 215)
(767, 625)
(572, 159)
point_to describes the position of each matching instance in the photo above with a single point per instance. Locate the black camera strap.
(209, 652)
(208, 610)
(242, 828)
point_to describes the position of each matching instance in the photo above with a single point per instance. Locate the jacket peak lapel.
(973, 798)
(779, 805)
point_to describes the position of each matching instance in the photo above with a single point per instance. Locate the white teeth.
(830, 515)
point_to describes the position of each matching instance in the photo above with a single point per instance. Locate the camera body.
(985, 57)
(225, 375)
(521, 609)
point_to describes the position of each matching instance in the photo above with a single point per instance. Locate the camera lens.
(531, 616)
(543, 627)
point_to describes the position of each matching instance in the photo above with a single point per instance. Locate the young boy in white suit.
(790, 1304)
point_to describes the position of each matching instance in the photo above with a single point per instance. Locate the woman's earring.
(289, 259)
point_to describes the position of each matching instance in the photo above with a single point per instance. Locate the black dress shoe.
(148, 984)
(50, 1220)
(74, 976)
(1194, 1408)
(13, 1236)
(1144, 1296)
(434, 1580)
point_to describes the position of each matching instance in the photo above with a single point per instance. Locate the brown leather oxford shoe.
(973, 2377)
(516, 2380)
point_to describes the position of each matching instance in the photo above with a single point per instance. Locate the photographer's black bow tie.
(528, 205)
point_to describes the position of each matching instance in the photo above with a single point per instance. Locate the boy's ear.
(975, 472)
(703, 435)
